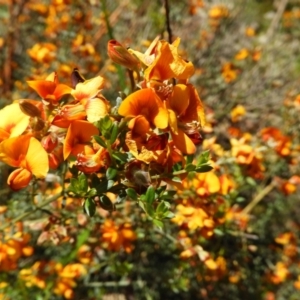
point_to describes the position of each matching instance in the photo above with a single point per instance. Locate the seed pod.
(29, 109)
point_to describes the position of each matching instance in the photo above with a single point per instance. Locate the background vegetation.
(236, 230)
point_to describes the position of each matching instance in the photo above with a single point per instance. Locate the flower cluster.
(126, 149)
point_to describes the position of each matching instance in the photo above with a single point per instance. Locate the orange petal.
(183, 142)
(88, 89)
(42, 87)
(19, 179)
(179, 101)
(61, 122)
(13, 150)
(79, 132)
(139, 126)
(168, 64)
(61, 90)
(37, 159)
(195, 109)
(145, 102)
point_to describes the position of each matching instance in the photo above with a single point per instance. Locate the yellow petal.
(88, 89)
(12, 121)
(37, 159)
(173, 121)
(95, 109)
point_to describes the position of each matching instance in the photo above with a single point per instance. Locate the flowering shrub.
(117, 182)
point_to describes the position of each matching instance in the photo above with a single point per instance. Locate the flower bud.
(120, 55)
(49, 142)
(29, 109)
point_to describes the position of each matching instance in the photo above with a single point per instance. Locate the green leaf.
(111, 173)
(190, 167)
(89, 207)
(240, 199)
(158, 223)
(218, 232)
(101, 187)
(105, 203)
(203, 169)
(114, 132)
(189, 159)
(123, 157)
(105, 125)
(251, 181)
(110, 183)
(150, 195)
(132, 193)
(162, 208)
(83, 183)
(169, 215)
(100, 141)
(176, 179)
(91, 193)
(167, 195)
(203, 158)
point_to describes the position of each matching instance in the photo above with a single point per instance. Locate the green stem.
(168, 175)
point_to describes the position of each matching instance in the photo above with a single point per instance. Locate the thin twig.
(275, 22)
(168, 26)
(258, 198)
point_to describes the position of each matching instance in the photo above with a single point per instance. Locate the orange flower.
(116, 237)
(186, 115)
(218, 12)
(194, 217)
(242, 54)
(250, 31)
(27, 153)
(282, 142)
(168, 64)
(78, 138)
(145, 102)
(42, 52)
(13, 121)
(205, 184)
(90, 163)
(87, 93)
(147, 149)
(229, 72)
(49, 89)
(237, 113)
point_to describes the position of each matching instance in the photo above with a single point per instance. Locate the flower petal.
(13, 121)
(13, 150)
(42, 87)
(79, 132)
(88, 89)
(96, 109)
(179, 101)
(183, 142)
(145, 102)
(37, 159)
